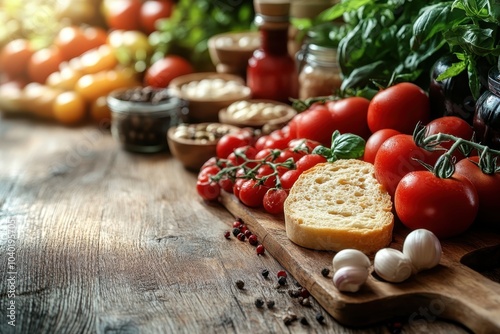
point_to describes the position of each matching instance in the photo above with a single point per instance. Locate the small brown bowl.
(273, 123)
(193, 153)
(206, 108)
(232, 50)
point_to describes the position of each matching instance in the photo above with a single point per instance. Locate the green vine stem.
(445, 165)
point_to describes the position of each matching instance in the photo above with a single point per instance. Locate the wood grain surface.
(105, 241)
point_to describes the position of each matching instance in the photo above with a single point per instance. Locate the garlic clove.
(350, 257)
(350, 278)
(392, 265)
(423, 248)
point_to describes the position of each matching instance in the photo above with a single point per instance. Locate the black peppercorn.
(240, 284)
(265, 273)
(320, 318)
(259, 303)
(270, 304)
(304, 321)
(236, 231)
(325, 272)
(282, 280)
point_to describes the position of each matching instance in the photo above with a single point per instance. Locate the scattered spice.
(293, 293)
(303, 321)
(325, 272)
(241, 236)
(289, 318)
(320, 318)
(282, 280)
(306, 302)
(265, 273)
(260, 250)
(227, 234)
(240, 284)
(252, 240)
(270, 304)
(237, 224)
(259, 303)
(236, 231)
(282, 273)
(304, 293)
(248, 233)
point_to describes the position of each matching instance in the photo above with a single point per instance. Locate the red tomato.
(43, 63)
(303, 144)
(122, 14)
(375, 141)
(208, 190)
(287, 154)
(309, 161)
(14, 57)
(399, 107)
(487, 186)
(396, 158)
(350, 115)
(274, 200)
(165, 70)
(226, 183)
(237, 187)
(252, 194)
(289, 178)
(446, 207)
(151, 11)
(248, 151)
(73, 41)
(451, 125)
(316, 124)
(228, 143)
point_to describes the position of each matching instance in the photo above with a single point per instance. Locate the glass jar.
(141, 117)
(271, 71)
(486, 120)
(319, 72)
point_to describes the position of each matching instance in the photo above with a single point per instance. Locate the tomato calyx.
(344, 146)
(445, 165)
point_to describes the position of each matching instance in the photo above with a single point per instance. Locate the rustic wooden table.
(98, 240)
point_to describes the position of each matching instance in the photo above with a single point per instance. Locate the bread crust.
(339, 205)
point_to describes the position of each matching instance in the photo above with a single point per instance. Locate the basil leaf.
(323, 151)
(348, 146)
(473, 39)
(339, 9)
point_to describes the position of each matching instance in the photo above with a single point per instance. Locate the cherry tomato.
(446, 207)
(375, 141)
(274, 200)
(69, 108)
(287, 153)
(208, 190)
(44, 62)
(399, 107)
(316, 124)
(228, 143)
(251, 194)
(303, 144)
(451, 125)
(208, 171)
(396, 157)
(226, 183)
(265, 154)
(487, 186)
(248, 151)
(122, 14)
(153, 10)
(164, 70)
(73, 41)
(289, 178)
(350, 115)
(99, 59)
(15, 56)
(308, 161)
(237, 187)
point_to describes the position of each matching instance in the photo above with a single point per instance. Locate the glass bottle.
(320, 74)
(271, 71)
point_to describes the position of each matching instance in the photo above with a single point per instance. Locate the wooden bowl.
(233, 49)
(206, 109)
(194, 153)
(266, 125)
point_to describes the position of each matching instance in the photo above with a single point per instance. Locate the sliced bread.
(339, 205)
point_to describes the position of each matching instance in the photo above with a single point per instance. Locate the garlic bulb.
(350, 278)
(423, 248)
(350, 257)
(392, 265)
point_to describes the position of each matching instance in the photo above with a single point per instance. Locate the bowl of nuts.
(194, 144)
(141, 117)
(258, 114)
(209, 92)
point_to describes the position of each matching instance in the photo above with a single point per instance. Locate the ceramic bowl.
(194, 144)
(267, 123)
(205, 103)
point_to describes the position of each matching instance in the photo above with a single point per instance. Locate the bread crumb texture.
(339, 205)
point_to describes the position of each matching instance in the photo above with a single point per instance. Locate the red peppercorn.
(227, 234)
(260, 250)
(237, 224)
(252, 240)
(304, 293)
(248, 233)
(241, 237)
(282, 273)
(243, 228)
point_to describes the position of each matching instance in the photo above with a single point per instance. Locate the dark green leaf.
(473, 39)
(348, 146)
(322, 150)
(339, 9)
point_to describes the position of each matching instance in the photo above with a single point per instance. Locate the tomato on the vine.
(398, 156)
(289, 178)
(228, 143)
(399, 107)
(251, 194)
(375, 141)
(487, 186)
(235, 157)
(451, 125)
(445, 206)
(308, 161)
(274, 200)
(208, 190)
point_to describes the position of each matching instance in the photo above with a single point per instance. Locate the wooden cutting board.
(452, 290)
